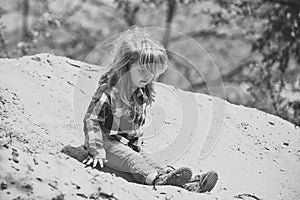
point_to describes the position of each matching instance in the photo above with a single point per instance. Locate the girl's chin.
(134, 86)
(139, 85)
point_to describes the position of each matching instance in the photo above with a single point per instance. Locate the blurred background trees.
(254, 43)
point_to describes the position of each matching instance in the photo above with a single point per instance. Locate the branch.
(292, 3)
(169, 18)
(25, 18)
(3, 43)
(74, 10)
(212, 33)
(171, 11)
(130, 13)
(225, 77)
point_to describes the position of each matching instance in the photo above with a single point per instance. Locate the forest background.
(255, 44)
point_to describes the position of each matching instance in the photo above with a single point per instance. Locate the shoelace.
(198, 178)
(171, 167)
(155, 180)
(158, 175)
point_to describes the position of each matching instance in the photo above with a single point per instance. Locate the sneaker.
(168, 169)
(202, 183)
(176, 177)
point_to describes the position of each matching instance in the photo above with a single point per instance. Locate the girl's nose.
(148, 77)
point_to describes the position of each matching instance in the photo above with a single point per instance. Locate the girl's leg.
(150, 160)
(123, 158)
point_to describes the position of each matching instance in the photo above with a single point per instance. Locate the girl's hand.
(95, 160)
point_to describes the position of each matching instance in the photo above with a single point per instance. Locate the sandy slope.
(256, 154)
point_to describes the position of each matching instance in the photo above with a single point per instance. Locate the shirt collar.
(141, 92)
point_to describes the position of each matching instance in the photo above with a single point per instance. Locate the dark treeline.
(254, 43)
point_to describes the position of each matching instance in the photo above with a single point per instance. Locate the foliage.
(3, 50)
(271, 27)
(277, 42)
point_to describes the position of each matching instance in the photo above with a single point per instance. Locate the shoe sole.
(209, 182)
(180, 176)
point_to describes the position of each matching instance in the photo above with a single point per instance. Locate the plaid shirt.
(99, 120)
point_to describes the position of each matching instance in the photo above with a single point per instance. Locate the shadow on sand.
(79, 153)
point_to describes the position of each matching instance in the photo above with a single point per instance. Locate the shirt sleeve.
(92, 128)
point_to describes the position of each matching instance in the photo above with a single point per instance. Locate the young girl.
(113, 121)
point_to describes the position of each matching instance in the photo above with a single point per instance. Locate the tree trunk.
(169, 18)
(3, 44)
(25, 32)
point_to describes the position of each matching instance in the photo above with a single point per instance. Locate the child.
(113, 121)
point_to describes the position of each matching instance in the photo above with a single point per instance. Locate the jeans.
(122, 158)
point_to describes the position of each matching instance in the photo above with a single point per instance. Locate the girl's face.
(138, 77)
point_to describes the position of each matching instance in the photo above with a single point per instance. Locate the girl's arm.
(92, 128)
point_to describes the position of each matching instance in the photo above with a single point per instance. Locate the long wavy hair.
(133, 46)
